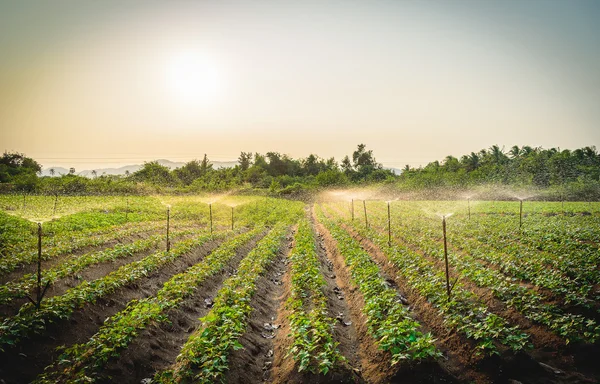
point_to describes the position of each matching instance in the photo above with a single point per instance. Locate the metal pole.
(365, 208)
(39, 269)
(446, 258)
(520, 214)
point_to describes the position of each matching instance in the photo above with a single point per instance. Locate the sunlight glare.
(193, 79)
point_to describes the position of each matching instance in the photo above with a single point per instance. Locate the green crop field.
(186, 289)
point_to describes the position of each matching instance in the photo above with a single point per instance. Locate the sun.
(193, 78)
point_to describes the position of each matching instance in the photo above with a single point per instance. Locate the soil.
(540, 365)
(90, 273)
(22, 363)
(253, 363)
(157, 346)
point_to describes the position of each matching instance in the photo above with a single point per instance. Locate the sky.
(95, 84)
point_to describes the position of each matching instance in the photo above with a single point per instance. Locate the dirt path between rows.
(157, 346)
(24, 362)
(375, 364)
(253, 363)
(549, 351)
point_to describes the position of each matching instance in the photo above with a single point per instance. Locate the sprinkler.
(40, 292)
(389, 226)
(168, 224)
(23, 202)
(210, 214)
(446, 257)
(352, 208)
(365, 208)
(232, 218)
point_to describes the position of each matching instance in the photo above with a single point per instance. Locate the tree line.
(575, 171)
(278, 173)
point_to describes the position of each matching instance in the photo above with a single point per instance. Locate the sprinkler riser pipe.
(520, 214)
(39, 271)
(210, 214)
(168, 225)
(232, 218)
(446, 258)
(352, 208)
(389, 226)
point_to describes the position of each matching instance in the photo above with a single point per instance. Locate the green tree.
(245, 160)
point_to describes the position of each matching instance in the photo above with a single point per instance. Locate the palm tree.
(515, 152)
(497, 154)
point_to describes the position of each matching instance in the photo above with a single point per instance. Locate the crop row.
(204, 357)
(313, 346)
(509, 256)
(80, 362)
(72, 266)
(463, 311)
(388, 320)
(72, 243)
(30, 320)
(531, 304)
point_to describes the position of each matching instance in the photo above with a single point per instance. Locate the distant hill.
(131, 168)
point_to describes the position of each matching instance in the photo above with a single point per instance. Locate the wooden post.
(446, 258)
(365, 208)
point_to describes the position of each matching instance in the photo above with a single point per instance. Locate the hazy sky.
(104, 83)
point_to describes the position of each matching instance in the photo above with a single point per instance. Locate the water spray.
(210, 215)
(168, 224)
(365, 208)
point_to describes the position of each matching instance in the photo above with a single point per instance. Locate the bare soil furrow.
(157, 346)
(374, 363)
(38, 352)
(253, 363)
